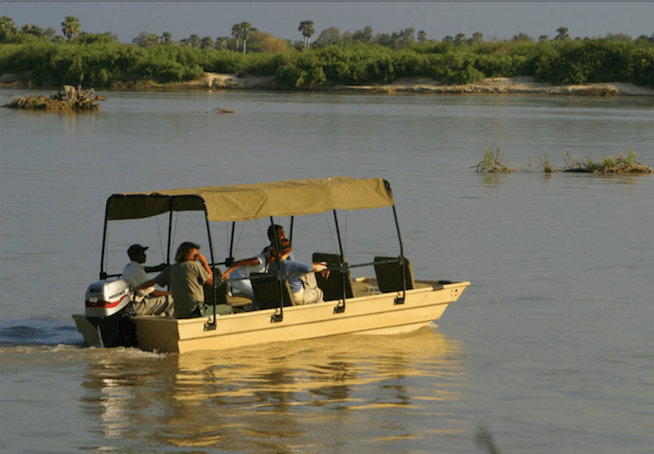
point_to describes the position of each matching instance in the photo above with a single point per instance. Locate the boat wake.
(37, 331)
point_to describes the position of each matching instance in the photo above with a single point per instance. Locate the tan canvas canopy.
(254, 201)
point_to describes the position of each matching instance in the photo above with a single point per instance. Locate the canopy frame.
(255, 201)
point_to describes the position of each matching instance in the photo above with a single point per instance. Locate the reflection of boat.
(391, 302)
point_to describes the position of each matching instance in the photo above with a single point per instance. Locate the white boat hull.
(370, 314)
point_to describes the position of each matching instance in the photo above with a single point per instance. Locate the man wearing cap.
(145, 301)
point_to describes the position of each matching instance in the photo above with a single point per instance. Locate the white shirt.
(134, 274)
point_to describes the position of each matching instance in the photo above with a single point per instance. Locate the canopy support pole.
(103, 273)
(170, 229)
(340, 307)
(400, 299)
(278, 317)
(211, 325)
(229, 260)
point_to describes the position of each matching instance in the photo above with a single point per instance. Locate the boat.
(386, 300)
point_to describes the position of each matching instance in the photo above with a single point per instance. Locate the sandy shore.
(500, 85)
(420, 85)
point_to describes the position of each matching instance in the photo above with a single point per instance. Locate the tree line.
(44, 58)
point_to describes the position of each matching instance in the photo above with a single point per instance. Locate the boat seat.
(391, 275)
(267, 291)
(221, 290)
(332, 287)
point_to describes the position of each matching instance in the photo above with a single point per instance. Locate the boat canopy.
(247, 202)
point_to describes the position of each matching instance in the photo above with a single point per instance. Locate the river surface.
(550, 350)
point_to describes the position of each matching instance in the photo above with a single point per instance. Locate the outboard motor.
(106, 304)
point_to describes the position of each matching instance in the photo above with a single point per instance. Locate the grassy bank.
(109, 64)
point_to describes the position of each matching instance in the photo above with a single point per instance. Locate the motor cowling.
(107, 297)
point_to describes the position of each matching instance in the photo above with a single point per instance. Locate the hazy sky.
(439, 19)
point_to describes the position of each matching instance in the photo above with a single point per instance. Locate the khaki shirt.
(185, 280)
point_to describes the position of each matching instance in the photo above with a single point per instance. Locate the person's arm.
(244, 262)
(322, 267)
(146, 284)
(156, 293)
(203, 261)
(157, 280)
(155, 269)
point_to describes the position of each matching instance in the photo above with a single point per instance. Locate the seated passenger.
(241, 270)
(147, 301)
(281, 235)
(186, 278)
(304, 289)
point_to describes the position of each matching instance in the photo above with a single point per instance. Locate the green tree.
(522, 37)
(207, 43)
(166, 38)
(146, 39)
(330, 35)
(192, 41)
(562, 34)
(246, 32)
(477, 38)
(50, 33)
(221, 42)
(307, 30)
(70, 27)
(422, 36)
(7, 27)
(406, 37)
(236, 33)
(35, 30)
(242, 31)
(364, 36)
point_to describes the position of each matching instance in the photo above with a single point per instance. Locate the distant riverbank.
(418, 85)
(500, 85)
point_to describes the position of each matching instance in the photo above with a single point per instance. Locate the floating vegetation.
(493, 162)
(610, 164)
(619, 164)
(67, 99)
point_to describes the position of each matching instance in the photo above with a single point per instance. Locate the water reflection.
(272, 397)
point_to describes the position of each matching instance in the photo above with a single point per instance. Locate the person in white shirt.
(148, 301)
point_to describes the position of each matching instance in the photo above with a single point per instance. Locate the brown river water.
(550, 349)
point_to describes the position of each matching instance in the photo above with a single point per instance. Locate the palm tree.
(306, 27)
(167, 38)
(207, 43)
(562, 33)
(70, 27)
(236, 33)
(246, 31)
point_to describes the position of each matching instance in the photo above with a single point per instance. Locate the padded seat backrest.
(267, 292)
(332, 287)
(391, 275)
(221, 290)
